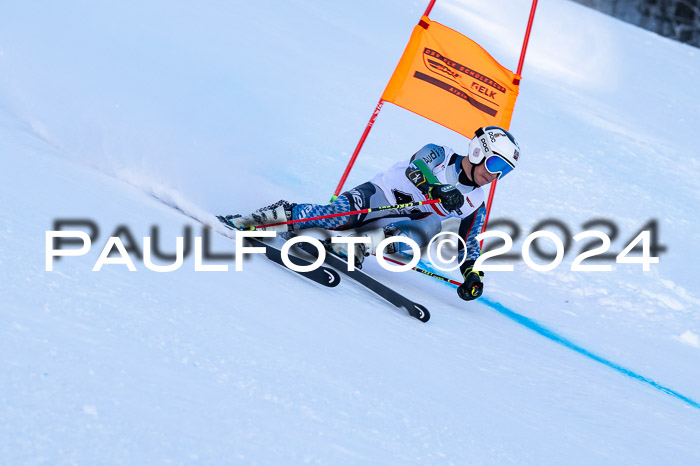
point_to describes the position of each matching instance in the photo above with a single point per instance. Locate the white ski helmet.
(497, 147)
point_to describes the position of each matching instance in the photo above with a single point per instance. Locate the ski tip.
(333, 278)
(420, 312)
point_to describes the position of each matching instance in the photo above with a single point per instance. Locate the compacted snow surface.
(227, 106)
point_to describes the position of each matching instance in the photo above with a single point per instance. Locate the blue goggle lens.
(495, 164)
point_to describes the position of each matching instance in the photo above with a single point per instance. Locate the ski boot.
(280, 211)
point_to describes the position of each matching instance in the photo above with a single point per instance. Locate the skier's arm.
(421, 173)
(472, 287)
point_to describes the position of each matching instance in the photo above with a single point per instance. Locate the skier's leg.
(364, 196)
(421, 231)
(378, 225)
(361, 197)
(339, 205)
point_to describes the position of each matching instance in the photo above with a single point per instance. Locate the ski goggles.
(495, 164)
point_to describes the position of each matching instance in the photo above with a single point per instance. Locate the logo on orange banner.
(448, 78)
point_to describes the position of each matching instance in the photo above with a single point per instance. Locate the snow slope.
(225, 107)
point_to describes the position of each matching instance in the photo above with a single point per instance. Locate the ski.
(323, 275)
(414, 309)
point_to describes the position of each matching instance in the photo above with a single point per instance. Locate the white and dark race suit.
(401, 184)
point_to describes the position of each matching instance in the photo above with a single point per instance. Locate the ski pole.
(432, 274)
(426, 272)
(354, 212)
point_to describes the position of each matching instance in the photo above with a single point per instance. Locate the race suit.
(401, 184)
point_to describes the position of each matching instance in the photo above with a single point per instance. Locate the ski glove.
(472, 287)
(450, 197)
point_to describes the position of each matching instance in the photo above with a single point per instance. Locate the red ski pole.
(354, 212)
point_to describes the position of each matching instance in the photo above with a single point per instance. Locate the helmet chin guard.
(494, 141)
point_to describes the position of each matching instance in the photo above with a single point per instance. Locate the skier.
(434, 172)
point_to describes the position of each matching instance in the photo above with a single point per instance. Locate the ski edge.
(415, 310)
(322, 275)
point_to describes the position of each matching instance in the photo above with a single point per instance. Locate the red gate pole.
(492, 191)
(357, 149)
(430, 8)
(527, 37)
(365, 133)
